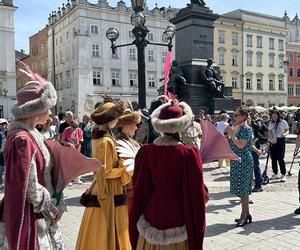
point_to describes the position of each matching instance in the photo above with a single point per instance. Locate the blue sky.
(32, 15)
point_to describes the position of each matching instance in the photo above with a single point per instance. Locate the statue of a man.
(199, 2)
(214, 82)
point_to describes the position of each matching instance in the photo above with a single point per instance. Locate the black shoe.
(297, 211)
(257, 189)
(249, 218)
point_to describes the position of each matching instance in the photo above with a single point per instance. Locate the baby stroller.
(264, 176)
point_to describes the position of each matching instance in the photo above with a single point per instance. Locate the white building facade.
(7, 58)
(84, 68)
(264, 81)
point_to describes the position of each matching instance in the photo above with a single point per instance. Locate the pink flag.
(213, 144)
(68, 164)
(167, 71)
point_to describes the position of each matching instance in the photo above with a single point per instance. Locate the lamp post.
(140, 32)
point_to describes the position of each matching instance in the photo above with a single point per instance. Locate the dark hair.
(275, 111)
(61, 115)
(244, 112)
(175, 136)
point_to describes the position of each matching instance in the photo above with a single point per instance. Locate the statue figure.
(198, 2)
(176, 81)
(214, 82)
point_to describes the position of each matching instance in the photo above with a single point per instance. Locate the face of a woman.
(41, 118)
(129, 129)
(112, 124)
(274, 117)
(238, 117)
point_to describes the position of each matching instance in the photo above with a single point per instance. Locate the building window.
(67, 34)
(259, 40)
(298, 72)
(115, 55)
(248, 83)
(150, 37)
(221, 36)
(234, 81)
(259, 84)
(291, 89)
(271, 60)
(291, 57)
(95, 50)
(298, 57)
(132, 54)
(249, 59)
(280, 84)
(132, 79)
(94, 29)
(131, 35)
(297, 90)
(271, 43)
(221, 58)
(234, 59)
(68, 75)
(291, 73)
(61, 80)
(151, 80)
(115, 78)
(280, 45)
(280, 61)
(60, 57)
(151, 55)
(249, 40)
(271, 84)
(259, 60)
(60, 39)
(56, 41)
(96, 77)
(164, 56)
(235, 39)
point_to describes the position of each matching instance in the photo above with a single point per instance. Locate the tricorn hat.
(129, 117)
(171, 118)
(107, 112)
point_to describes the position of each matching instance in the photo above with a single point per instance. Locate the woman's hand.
(229, 131)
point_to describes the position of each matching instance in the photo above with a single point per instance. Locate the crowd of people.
(153, 199)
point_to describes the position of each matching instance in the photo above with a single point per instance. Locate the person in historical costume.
(28, 211)
(128, 125)
(192, 135)
(168, 206)
(105, 221)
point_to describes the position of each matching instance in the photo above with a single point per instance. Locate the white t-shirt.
(282, 126)
(221, 126)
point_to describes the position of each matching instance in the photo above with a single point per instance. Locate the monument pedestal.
(194, 45)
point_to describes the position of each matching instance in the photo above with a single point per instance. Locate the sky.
(32, 15)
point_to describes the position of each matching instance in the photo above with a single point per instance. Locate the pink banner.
(167, 71)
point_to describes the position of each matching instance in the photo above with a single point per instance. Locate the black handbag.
(87, 199)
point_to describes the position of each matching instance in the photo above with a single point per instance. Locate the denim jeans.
(256, 168)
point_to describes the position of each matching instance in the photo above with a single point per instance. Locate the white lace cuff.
(161, 237)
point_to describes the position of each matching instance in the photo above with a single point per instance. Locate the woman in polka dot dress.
(241, 171)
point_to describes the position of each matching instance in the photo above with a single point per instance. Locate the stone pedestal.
(194, 45)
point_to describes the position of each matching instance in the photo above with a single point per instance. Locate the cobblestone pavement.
(274, 224)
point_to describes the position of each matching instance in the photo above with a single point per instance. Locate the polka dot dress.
(241, 171)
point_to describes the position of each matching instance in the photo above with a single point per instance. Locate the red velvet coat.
(168, 190)
(19, 217)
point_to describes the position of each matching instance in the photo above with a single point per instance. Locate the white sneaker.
(70, 184)
(274, 177)
(283, 178)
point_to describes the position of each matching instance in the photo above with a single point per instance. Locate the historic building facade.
(7, 58)
(37, 58)
(259, 60)
(293, 59)
(80, 61)
(228, 47)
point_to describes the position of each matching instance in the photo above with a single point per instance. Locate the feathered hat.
(129, 117)
(36, 97)
(171, 117)
(107, 111)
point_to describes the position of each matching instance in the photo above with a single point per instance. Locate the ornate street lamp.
(140, 32)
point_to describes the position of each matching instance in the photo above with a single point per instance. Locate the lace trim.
(161, 237)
